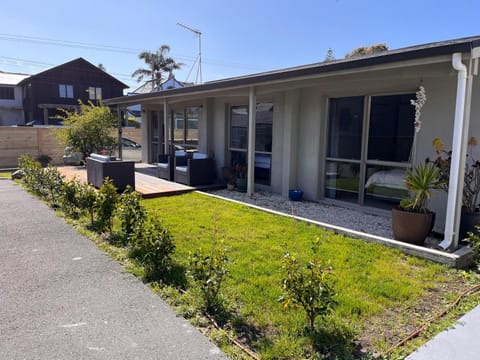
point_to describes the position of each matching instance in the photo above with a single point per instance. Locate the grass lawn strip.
(383, 294)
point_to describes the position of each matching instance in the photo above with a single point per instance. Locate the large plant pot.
(468, 221)
(411, 227)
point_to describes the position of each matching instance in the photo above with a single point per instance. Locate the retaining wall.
(35, 141)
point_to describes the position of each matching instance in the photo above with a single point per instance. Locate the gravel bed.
(380, 225)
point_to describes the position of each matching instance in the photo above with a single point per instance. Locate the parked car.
(130, 143)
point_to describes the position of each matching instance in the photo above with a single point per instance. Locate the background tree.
(329, 56)
(89, 129)
(158, 63)
(367, 50)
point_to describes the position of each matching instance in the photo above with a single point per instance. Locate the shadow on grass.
(334, 340)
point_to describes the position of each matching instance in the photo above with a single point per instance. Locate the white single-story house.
(342, 130)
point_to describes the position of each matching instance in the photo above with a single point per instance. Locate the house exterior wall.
(11, 111)
(43, 88)
(301, 117)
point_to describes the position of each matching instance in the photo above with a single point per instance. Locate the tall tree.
(367, 50)
(158, 63)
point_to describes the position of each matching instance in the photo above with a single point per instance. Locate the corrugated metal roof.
(11, 78)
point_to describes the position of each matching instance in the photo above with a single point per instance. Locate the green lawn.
(382, 293)
(5, 174)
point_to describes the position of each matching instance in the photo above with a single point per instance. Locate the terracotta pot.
(411, 227)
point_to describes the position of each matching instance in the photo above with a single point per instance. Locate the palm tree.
(158, 63)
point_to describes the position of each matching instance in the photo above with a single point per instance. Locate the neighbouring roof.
(408, 53)
(81, 62)
(148, 86)
(7, 78)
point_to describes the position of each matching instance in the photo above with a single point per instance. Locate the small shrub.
(52, 182)
(130, 212)
(153, 247)
(473, 240)
(309, 286)
(105, 204)
(32, 170)
(87, 198)
(70, 197)
(208, 271)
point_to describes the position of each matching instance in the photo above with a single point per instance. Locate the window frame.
(185, 142)
(7, 93)
(65, 91)
(241, 151)
(363, 161)
(94, 93)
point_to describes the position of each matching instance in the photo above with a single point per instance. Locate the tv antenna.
(199, 57)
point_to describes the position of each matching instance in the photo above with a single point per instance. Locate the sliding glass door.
(368, 151)
(238, 143)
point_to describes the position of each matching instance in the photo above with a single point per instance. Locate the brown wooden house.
(62, 87)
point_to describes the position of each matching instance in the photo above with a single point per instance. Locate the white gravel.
(380, 225)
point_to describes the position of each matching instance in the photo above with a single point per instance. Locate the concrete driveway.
(62, 298)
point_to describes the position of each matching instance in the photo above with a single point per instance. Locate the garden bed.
(382, 293)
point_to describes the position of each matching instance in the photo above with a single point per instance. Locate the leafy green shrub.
(473, 240)
(52, 182)
(87, 198)
(208, 271)
(130, 212)
(105, 204)
(153, 247)
(309, 286)
(33, 172)
(70, 197)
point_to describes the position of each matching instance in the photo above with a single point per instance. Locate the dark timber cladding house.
(341, 130)
(62, 86)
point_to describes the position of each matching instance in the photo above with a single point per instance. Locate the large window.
(263, 140)
(94, 93)
(367, 154)
(184, 130)
(7, 93)
(65, 91)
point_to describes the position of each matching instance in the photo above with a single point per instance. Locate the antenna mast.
(199, 57)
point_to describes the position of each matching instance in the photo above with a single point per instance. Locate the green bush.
(105, 204)
(87, 199)
(153, 247)
(130, 212)
(53, 182)
(32, 172)
(208, 271)
(309, 286)
(473, 240)
(70, 197)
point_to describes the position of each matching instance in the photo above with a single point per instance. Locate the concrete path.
(62, 298)
(459, 343)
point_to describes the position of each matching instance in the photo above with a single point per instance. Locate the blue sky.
(239, 37)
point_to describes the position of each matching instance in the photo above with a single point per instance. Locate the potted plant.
(229, 176)
(471, 183)
(411, 220)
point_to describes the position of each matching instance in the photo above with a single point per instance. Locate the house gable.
(64, 86)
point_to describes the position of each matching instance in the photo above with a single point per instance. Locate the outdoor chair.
(199, 170)
(166, 164)
(99, 167)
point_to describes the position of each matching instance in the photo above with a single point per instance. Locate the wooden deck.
(146, 181)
